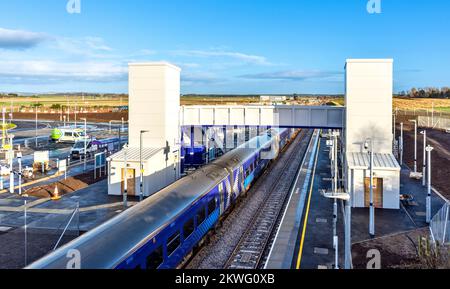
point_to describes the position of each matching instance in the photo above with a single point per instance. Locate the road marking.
(302, 241)
(321, 251)
(321, 220)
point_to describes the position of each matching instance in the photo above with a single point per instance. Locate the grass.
(440, 105)
(48, 100)
(443, 109)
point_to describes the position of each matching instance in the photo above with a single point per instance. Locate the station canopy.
(361, 161)
(133, 154)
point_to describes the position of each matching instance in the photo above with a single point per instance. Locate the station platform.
(305, 237)
(285, 243)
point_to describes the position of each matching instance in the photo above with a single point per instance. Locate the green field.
(58, 101)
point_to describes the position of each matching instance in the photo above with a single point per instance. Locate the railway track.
(252, 246)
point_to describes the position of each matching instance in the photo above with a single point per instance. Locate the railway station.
(163, 137)
(279, 186)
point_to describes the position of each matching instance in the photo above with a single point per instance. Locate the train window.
(248, 171)
(201, 216)
(155, 259)
(211, 206)
(172, 243)
(188, 228)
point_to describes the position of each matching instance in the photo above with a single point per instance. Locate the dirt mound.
(70, 185)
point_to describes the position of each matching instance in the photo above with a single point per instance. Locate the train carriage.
(162, 231)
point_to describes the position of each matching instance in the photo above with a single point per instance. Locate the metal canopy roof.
(380, 161)
(133, 154)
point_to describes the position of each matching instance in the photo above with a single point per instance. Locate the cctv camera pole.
(36, 130)
(415, 145)
(85, 143)
(424, 132)
(372, 209)
(401, 144)
(19, 157)
(429, 150)
(141, 169)
(125, 185)
(335, 181)
(11, 162)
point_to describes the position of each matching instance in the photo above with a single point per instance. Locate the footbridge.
(286, 116)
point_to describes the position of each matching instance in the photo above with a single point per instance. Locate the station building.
(154, 103)
(157, 118)
(368, 102)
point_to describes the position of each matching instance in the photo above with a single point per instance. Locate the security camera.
(366, 145)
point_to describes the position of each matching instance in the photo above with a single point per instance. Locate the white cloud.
(246, 58)
(20, 39)
(296, 75)
(86, 46)
(50, 71)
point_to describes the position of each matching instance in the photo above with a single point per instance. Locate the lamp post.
(36, 128)
(415, 144)
(125, 185)
(429, 149)
(85, 142)
(141, 168)
(369, 146)
(11, 162)
(424, 132)
(401, 144)
(19, 157)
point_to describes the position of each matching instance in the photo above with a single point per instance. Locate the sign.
(99, 163)
(41, 157)
(62, 167)
(100, 160)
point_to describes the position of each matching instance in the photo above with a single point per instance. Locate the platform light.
(424, 165)
(368, 145)
(429, 149)
(415, 144)
(141, 167)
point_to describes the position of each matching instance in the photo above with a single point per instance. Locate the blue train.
(162, 231)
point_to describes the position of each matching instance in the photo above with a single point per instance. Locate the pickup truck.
(77, 151)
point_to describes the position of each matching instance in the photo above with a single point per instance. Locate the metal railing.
(440, 226)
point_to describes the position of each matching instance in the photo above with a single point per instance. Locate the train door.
(241, 179)
(377, 192)
(222, 198)
(131, 184)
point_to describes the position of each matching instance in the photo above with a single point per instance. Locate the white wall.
(154, 90)
(368, 101)
(158, 173)
(391, 188)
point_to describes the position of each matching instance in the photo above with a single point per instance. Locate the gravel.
(219, 247)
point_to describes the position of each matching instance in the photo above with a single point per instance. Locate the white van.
(67, 135)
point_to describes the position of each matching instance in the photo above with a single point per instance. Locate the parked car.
(68, 135)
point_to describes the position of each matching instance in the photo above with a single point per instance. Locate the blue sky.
(223, 46)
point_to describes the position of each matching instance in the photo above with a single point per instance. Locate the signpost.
(99, 163)
(62, 167)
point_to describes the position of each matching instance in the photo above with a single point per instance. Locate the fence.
(440, 226)
(425, 118)
(31, 230)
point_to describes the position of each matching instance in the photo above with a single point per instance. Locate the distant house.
(273, 98)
